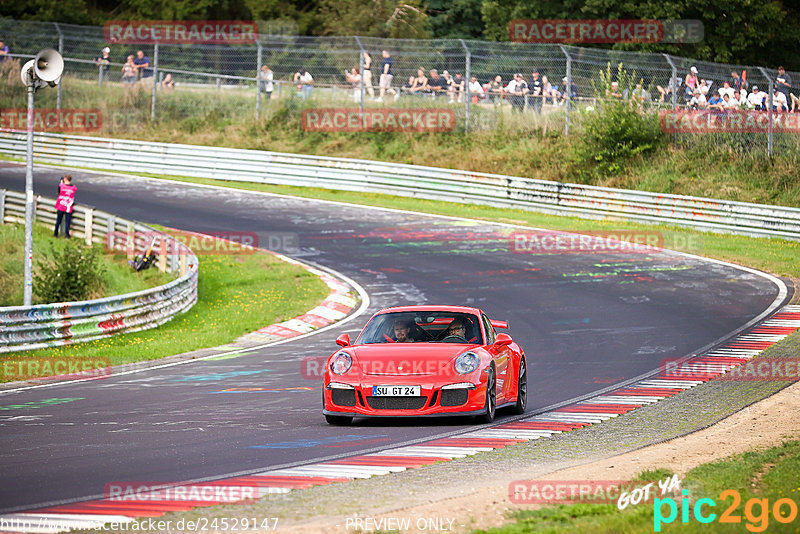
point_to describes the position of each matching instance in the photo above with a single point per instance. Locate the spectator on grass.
(305, 82)
(737, 82)
(265, 81)
(354, 77)
(495, 88)
(639, 96)
(666, 92)
(476, 89)
(779, 101)
(715, 102)
(691, 79)
(568, 92)
(167, 84)
(614, 92)
(740, 97)
(103, 61)
(756, 99)
(698, 100)
(457, 87)
(729, 103)
(65, 204)
(410, 86)
(549, 91)
(726, 88)
(385, 83)
(436, 84)
(705, 87)
(367, 75)
(142, 63)
(420, 82)
(536, 89)
(129, 70)
(783, 82)
(517, 89)
(5, 53)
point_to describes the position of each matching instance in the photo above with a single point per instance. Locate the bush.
(613, 134)
(74, 273)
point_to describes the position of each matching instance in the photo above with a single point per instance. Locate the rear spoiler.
(498, 324)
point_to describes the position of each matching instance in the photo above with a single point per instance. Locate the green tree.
(736, 31)
(455, 19)
(403, 19)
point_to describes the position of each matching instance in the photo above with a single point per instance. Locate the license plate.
(396, 391)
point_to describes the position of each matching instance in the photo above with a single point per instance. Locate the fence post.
(258, 78)
(467, 62)
(673, 81)
(361, 71)
(769, 110)
(88, 223)
(567, 89)
(155, 83)
(130, 245)
(2, 206)
(162, 256)
(60, 51)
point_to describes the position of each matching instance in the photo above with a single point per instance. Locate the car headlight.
(467, 362)
(341, 362)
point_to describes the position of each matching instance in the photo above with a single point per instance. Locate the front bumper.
(435, 399)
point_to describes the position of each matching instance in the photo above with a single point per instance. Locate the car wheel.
(491, 398)
(340, 420)
(522, 388)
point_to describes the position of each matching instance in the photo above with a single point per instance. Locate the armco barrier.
(409, 180)
(47, 325)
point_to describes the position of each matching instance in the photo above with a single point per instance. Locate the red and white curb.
(92, 514)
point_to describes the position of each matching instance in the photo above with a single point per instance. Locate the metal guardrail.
(48, 325)
(410, 180)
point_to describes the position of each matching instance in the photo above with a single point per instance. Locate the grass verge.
(118, 277)
(759, 479)
(236, 294)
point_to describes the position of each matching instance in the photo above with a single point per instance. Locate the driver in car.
(457, 328)
(402, 331)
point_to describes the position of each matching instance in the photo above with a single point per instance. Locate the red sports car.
(425, 360)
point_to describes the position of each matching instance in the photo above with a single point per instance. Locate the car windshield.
(422, 327)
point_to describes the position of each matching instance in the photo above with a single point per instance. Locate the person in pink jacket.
(65, 203)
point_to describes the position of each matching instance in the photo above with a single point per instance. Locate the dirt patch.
(759, 426)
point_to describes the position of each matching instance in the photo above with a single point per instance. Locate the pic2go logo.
(756, 511)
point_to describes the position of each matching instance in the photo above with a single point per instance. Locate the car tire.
(522, 388)
(490, 406)
(339, 420)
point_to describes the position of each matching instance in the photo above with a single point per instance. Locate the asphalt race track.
(586, 321)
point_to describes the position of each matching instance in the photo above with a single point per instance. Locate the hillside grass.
(724, 166)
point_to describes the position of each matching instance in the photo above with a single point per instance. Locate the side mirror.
(344, 340)
(502, 340)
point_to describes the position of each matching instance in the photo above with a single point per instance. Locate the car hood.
(419, 359)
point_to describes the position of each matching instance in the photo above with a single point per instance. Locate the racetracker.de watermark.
(732, 121)
(201, 492)
(378, 120)
(605, 31)
(569, 491)
(55, 368)
(52, 119)
(205, 244)
(757, 370)
(313, 367)
(607, 242)
(181, 32)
